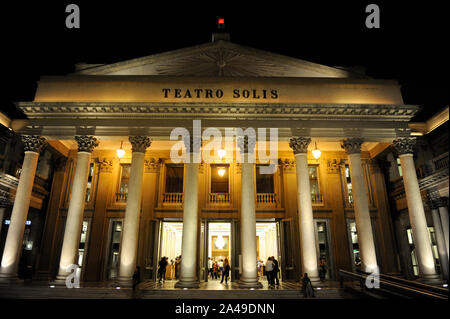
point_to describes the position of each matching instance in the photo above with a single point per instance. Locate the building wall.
(103, 207)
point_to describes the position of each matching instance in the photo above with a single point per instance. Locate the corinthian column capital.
(86, 143)
(299, 144)
(352, 145)
(33, 143)
(139, 143)
(404, 145)
(246, 144)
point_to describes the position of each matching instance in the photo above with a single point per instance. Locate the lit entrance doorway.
(267, 245)
(170, 240)
(218, 247)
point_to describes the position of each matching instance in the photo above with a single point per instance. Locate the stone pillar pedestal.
(14, 238)
(130, 236)
(366, 242)
(305, 211)
(74, 219)
(404, 147)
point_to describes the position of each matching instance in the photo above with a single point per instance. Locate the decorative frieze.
(299, 144)
(352, 145)
(33, 143)
(287, 164)
(86, 143)
(333, 166)
(152, 165)
(404, 145)
(106, 165)
(139, 143)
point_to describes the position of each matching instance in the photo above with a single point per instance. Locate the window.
(349, 184)
(264, 182)
(89, 183)
(220, 178)
(414, 261)
(114, 249)
(121, 196)
(314, 179)
(174, 178)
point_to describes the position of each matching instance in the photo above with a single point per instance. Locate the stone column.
(74, 219)
(404, 147)
(305, 212)
(4, 202)
(130, 236)
(14, 238)
(440, 239)
(442, 205)
(188, 274)
(366, 242)
(249, 277)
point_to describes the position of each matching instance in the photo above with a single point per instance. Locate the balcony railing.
(219, 198)
(172, 198)
(436, 164)
(267, 198)
(121, 197)
(317, 199)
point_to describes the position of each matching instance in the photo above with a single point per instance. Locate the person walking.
(211, 267)
(216, 270)
(322, 269)
(276, 270)
(307, 288)
(226, 271)
(269, 271)
(177, 267)
(136, 279)
(162, 269)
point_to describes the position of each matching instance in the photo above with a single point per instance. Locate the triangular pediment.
(221, 58)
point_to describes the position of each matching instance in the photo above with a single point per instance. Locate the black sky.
(411, 46)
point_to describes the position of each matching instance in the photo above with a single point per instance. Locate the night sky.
(411, 46)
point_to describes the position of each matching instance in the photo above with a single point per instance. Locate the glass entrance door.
(171, 235)
(218, 249)
(267, 245)
(324, 251)
(115, 236)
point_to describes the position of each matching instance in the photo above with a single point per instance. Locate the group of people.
(272, 269)
(168, 271)
(218, 268)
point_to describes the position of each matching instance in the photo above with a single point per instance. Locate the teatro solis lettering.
(205, 93)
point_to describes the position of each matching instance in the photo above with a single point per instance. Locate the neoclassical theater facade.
(108, 214)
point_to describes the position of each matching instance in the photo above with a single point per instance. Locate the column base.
(315, 280)
(250, 283)
(10, 280)
(59, 281)
(125, 282)
(431, 279)
(187, 284)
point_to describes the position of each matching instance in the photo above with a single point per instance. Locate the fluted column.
(440, 239)
(404, 147)
(130, 236)
(249, 277)
(188, 274)
(305, 212)
(366, 242)
(74, 219)
(14, 238)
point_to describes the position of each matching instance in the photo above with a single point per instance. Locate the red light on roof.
(221, 21)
